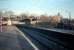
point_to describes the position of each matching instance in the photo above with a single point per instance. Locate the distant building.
(65, 21)
(72, 22)
(44, 18)
(55, 19)
(29, 21)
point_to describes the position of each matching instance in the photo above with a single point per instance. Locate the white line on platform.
(29, 41)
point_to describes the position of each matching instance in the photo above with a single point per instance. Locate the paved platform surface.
(8, 39)
(11, 40)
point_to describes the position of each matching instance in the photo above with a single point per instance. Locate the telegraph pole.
(69, 19)
(1, 23)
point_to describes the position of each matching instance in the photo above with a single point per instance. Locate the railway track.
(45, 41)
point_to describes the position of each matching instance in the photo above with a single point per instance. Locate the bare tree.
(8, 13)
(23, 16)
(1, 13)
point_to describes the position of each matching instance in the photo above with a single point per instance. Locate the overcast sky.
(50, 7)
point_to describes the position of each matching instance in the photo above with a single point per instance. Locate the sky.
(50, 7)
